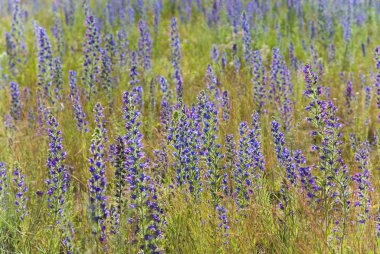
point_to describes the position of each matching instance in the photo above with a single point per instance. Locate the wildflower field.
(189, 126)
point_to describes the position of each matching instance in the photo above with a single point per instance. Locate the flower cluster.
(119, 161)
(16, 106)
(234, 9)
(15, 40)
(97, 181)
(362, 178)
(58, 177)
(3, 185)
(214, 54)
(224, 60)
(230, 151)
(285, 160)
(211, 154)
(157, 9)
(307, 179)
(292, 57)
(106, 70)
(346, 23)
(133, 73)
(250, 162)
(59, 35)
(20, 189)
(236, 58)
(58, 183)
(377, 80)
(175, 44)
(11, 52)
(349, 95)
(100, 121)
(247, 40)
(334, 181)
(41, 109)
(210, 150)
(17, 30)
(176, 57)
(259, 80)
(368, 96)
(165, 102)
(145, 46)
(145, 211)
(184, 132)
(283, 154)
(281, 89)
(80, 116)
(122, 47)
(92, 52)
(58, 78)
(69, 10)
(212, 83)
(226, 106)
(45, 63)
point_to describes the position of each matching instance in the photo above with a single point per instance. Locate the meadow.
(189, 126)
